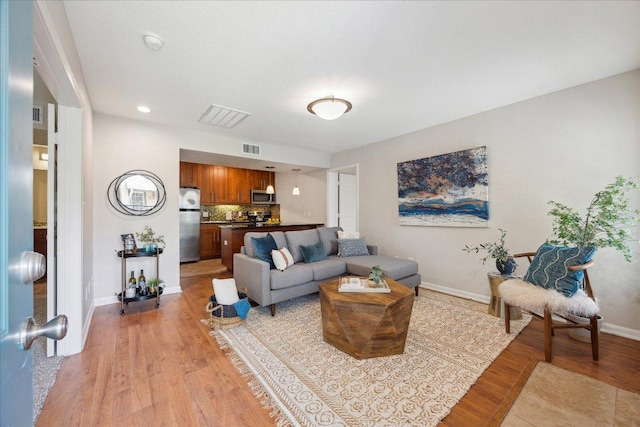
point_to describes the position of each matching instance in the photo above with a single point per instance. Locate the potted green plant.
(376, 274)
(149, 238)
(155, 285)
(606, 224)
(505, 263)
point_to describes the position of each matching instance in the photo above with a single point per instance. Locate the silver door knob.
(33, 265)
(55, 329)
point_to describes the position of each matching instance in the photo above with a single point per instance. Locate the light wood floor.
(155, 367)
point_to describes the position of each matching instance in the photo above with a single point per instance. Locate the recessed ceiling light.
(153, 42)
(144, 109)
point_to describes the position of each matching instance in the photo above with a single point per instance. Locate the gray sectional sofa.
(268, 286)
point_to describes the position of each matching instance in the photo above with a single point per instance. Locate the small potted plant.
(505, 263)
(376, 274)
(155, 285)
(149, 238)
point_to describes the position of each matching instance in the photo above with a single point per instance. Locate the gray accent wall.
(564, 146)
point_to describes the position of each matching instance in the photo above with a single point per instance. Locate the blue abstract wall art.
(449, 190)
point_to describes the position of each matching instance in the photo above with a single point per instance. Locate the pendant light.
(296, 190)
(270, 189)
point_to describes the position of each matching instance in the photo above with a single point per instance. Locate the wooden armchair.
(535, 299)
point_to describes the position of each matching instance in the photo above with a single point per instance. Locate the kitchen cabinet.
(239, 185)
(223, 184)
(189, 174)
(209, 241)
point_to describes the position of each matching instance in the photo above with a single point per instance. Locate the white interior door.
(51, 219)
(16, 209)
(348, 202)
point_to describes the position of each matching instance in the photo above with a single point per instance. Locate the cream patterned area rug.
(307, 382)
(553, 396)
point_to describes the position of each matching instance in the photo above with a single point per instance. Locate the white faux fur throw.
(530, 297)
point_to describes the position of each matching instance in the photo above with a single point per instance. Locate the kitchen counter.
(232, 236)
(270, 225)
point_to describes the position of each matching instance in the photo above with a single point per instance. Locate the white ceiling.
(405, 66)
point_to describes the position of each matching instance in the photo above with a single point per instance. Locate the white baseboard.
(87, 324)
(606, 327)
(456, 292)
(114, 299)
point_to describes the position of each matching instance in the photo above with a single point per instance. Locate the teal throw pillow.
(352, 247)
(242, 307)
(313, 253)
(262, 247)
(549, 268)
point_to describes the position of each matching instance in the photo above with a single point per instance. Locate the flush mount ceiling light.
(296, 190)
(270, 189)
(329, 108)
(143, 109)
(153, 42)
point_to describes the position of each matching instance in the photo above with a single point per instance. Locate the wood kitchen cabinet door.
(259, 179)
(220, 184)
(189, 174)
(239, 185)
(206, 184)
(209, 241)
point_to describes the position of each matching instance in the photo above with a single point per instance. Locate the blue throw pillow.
(549, 268)
(262, 247)
(242, 307)
(352, 247)
(313, 253)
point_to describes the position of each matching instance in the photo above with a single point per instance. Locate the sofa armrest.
(253, 274)
(373, 249)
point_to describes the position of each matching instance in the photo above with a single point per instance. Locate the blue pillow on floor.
(549, 268)
(262, 247)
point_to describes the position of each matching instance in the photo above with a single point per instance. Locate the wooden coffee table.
(366, 325)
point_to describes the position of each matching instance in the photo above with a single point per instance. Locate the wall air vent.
(251, 149)
(225, 117)
(38, 115)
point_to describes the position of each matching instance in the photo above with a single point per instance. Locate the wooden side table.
(496, 306)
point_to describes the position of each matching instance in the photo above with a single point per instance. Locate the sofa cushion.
(262, 247)
(295, 275)
(298, 238)
(394, 268)
(329, 238)
(278, 236)
(352, 247)
(313, 253)
(328, 268)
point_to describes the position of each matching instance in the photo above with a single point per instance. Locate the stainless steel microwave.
(261, 197)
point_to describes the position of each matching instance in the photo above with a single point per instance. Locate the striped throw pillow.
(282, 258)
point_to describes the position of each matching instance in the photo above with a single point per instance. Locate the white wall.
(121, 145)
(564, 146)
(311, 205)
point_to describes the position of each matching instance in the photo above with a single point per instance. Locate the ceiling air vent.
(37, 115)
(225, 117)
(251, 149)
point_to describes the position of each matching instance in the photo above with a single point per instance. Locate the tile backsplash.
(219, 212)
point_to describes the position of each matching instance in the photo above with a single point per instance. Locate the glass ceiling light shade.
(296, 190)
(270, 189)
(329, 108)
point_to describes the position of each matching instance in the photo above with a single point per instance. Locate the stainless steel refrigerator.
(189, 224)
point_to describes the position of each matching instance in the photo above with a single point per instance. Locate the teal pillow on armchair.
(549, 268)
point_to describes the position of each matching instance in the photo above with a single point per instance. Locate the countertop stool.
(496, 306)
